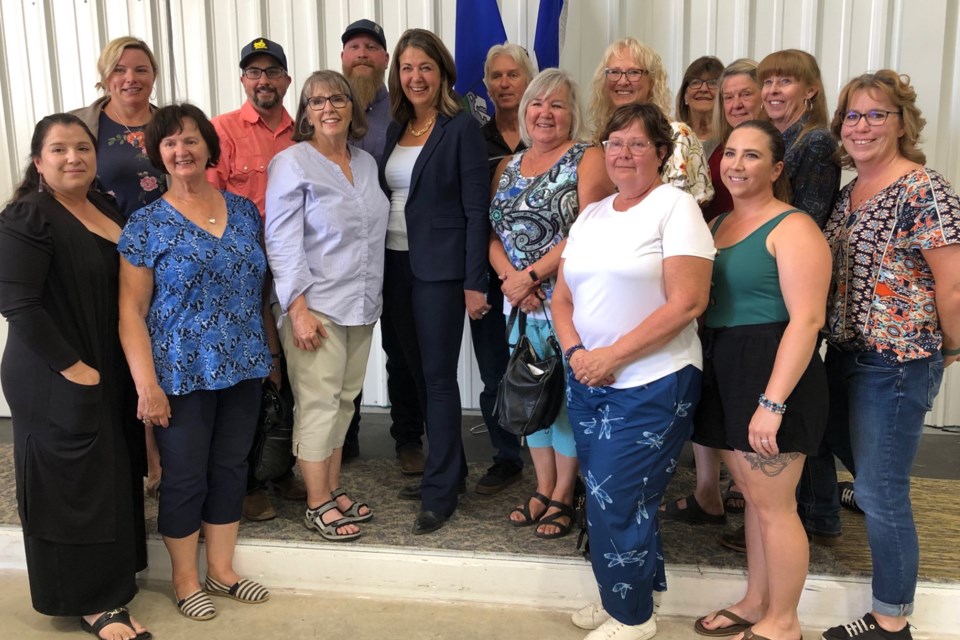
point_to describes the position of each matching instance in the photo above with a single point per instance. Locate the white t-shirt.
(398, 173)
(613, 264)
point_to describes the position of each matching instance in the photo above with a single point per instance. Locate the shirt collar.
(251, 115)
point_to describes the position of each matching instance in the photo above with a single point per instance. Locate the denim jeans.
(886, 405)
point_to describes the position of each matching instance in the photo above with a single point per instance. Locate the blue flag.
(479, 27)
(551, 23)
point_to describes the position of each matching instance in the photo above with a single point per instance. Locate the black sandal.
(528, 518)
(693, 513)
(733, 500)
(119, 615)
(565, 511)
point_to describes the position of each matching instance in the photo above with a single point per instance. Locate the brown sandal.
(739, 625)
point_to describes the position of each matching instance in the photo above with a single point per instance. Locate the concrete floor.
(303, 615)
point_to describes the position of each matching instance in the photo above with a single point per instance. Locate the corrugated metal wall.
(49, 48)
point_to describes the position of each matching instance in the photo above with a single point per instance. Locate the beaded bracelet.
(572, 350)
(776, 407)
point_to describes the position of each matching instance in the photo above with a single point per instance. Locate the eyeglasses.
(633, 75)
(696, 83)
(636, 147)
(338, 100)
(875, 117)
(254, 73)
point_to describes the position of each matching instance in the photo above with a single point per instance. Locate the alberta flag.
(551, 28)
(479, 27)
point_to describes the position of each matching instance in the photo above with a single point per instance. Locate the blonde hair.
(111, 54)
(644, 57)
(544, 84)
(897, 89)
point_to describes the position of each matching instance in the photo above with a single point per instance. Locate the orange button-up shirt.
(247, 145)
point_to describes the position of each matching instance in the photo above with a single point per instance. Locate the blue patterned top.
(533, 215)
(205, 319)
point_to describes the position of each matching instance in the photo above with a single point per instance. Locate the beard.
(365, 86)
(266, 99)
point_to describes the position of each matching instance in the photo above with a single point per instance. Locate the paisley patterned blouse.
(205, 321)
(882, 295)
(533, 215)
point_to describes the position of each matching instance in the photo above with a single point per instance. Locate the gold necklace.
(419, 132)
(116, 116)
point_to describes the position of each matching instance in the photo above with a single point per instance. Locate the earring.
(809, 104)
(41, 185)
(307, 132)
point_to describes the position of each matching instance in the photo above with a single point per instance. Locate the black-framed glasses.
(338, 100)
(875, 117)
(633, 75)
(696, 83)
(636, 147)
(254, 73)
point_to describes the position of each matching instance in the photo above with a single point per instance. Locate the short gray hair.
(544, 84)
(514, 51)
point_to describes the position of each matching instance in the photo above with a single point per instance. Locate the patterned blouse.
(123, 167)
(882, 295)
(687, 168)
(205, 319)
(533, 215)
(813, 173)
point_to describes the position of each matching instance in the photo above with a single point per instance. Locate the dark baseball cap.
(364, 27)
(262, 46)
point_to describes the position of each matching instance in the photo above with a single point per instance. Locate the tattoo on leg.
(770, 467)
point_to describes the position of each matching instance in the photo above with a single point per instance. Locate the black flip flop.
(119, 615)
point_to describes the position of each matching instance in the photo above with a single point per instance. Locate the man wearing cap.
(364, 60)
(249, 138)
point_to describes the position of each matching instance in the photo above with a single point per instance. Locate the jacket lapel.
(432, 142)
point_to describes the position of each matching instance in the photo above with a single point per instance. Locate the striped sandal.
(245, 591)
(352, 513)
(197, 606)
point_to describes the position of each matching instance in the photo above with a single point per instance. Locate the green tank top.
(746, 283)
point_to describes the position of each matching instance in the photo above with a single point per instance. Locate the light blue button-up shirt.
(325, 237)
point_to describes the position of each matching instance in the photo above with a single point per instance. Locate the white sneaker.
(613, 629)
(590, 617)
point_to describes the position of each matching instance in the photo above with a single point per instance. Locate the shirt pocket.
(247, 166)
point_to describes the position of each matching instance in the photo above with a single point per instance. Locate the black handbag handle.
(517, 315)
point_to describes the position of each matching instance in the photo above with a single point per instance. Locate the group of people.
(688, 268)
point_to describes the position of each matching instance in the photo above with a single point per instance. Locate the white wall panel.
(49, 48)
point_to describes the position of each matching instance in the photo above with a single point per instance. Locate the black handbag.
(272, 450)
(532, 390)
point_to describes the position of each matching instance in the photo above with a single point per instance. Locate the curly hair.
(897, 89)
(645, 58)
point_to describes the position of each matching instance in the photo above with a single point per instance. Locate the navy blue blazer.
(447, 210)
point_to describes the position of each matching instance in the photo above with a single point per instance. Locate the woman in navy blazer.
(434, 170)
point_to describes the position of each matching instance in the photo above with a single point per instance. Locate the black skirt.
(738, 362)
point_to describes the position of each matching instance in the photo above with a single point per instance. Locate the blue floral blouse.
(205, 320)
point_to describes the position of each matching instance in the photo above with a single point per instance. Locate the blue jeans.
(886, 405)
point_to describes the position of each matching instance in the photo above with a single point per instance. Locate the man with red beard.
(364, 60)
(249, 138)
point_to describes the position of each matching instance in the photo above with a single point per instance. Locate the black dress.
(79, 495)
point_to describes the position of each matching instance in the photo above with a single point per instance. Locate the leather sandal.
(733, 500)
(313, 519)
(739, 625)
(693, 513)
(565, 511)
(120, 615)
(352, 513)
(524, 510)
